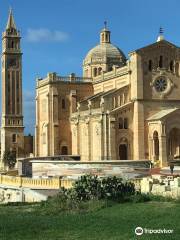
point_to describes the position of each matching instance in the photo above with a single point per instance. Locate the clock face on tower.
(160, 84)
(12, 62)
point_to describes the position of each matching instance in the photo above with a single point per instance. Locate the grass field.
(113, 223)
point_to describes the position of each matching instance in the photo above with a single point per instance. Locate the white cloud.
(46, 35)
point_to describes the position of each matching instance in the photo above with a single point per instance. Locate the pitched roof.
(161, 114)
(156, 43)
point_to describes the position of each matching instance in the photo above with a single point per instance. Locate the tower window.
(103, 37)
(63, 104)
(95, 72)
(99, 70)
(14, 138)
(12, 44)
(150, 65)
(161, 61)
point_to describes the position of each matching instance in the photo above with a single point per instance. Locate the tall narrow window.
(14, 140)
(150, 65)
(120, 123)
(171, 66)
(161, 61)
(125, 123)
(95, 72)
(63, 104)
(177, 69)
(99, 70)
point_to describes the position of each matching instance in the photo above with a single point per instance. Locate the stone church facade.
(120, 109)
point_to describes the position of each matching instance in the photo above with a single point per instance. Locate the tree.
(9, 158)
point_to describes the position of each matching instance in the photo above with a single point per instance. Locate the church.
(121, 109)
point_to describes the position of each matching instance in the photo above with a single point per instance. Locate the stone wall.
(159, 185)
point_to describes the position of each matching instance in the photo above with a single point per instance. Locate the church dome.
(103, 57)
(105, 52)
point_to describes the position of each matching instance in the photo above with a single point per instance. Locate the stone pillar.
(105, 137)
(74, 130)
(97, 153)
(162, 151)
(138, 123)
(36, 129)
(112, 138)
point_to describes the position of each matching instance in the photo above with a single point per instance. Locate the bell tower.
(12, 129)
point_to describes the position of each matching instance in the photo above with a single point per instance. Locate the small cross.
(161, 31)
(105, 24)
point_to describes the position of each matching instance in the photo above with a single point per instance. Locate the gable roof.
(165, 42)
(161, 114)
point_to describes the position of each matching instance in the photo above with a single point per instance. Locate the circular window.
(160, 84)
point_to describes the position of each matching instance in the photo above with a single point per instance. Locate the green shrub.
(90, 187)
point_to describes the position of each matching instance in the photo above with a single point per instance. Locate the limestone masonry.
(121, 109)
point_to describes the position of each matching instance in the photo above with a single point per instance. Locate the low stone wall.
(160, 185)
(51, 183)
(74, 169)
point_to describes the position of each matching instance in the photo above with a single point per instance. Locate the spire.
(105, 34)
(161, 36)
(11, 22)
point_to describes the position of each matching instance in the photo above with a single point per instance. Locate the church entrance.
(123, 154)
(64, 150)
(174, 143)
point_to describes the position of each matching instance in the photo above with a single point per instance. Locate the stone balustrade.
(52, 183)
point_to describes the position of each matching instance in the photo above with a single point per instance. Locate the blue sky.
(57, 34)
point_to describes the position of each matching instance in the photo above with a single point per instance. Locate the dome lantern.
(105, 34)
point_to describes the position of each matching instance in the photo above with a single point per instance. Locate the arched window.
(63, 104)
(161, 61)
(125, 123)
(99, 70)
(14, 138)
(156, 145)
(150, 65)
(171, 65)
(103, 37)
(12, 44)
(95, 72)
(120, 123)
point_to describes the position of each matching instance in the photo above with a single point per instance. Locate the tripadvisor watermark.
(140, 231)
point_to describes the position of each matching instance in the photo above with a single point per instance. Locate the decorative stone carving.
(97, 129)
(74, 131)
